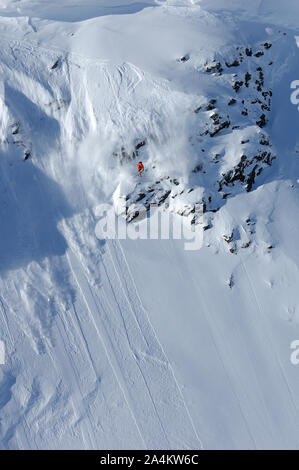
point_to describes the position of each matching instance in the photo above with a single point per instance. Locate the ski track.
(270, 339)
(32, 46)
(66, 340)
(22, 422)
(214, 335)
(91, 307)
(136, 358)
(164, 360)
(64, 337)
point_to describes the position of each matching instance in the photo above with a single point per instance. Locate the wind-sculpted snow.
(117, 344)
(273, 11)
(70, 10)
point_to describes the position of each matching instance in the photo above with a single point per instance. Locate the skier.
(140, 168)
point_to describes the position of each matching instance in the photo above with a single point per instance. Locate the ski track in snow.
(135, 355)
(266, 328)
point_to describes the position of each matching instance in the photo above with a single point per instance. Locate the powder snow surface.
(126, 344)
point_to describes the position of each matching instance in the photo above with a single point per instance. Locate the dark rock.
(237, 173)
(251, 179)
(124, 156)
(259, 171)
(248, 51)
(140, 144)
(135, 152)
(232, 101)
(237, 85)
(27, 155)
(223, 125)
(235, 63)
(164, 197)
(55, 65)
(211, 105)
(246, 245)
(260, 81)
(262, 121)
(267, 45)
(265, 107)
(185, 58)
(198, 168)
(133, 216)
(264, 140)
(259, 86)
(140, 196)
(267, 158)
(229, 238)
(215, 118)
(15, 128)
(247, 79)
(216, 67)
(267, 93)
(259, 54)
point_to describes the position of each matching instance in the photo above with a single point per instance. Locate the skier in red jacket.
(140, 168)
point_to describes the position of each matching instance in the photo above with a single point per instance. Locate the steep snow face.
(158, 99)
(140, 344)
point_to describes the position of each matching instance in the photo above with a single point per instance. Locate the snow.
(272, 11)
(70, 10)
(125, 344)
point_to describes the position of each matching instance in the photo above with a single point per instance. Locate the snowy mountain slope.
(141, 344)
(71, 11)
(271, 11)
